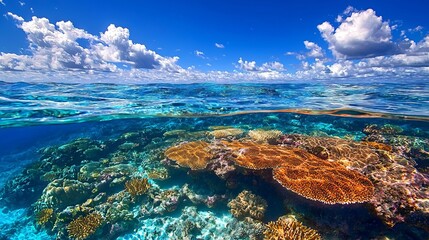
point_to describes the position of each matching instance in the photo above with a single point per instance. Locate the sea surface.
(299, 160)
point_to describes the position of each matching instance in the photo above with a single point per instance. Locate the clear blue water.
(131, 126)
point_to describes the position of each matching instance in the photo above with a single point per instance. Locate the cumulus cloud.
(362, 34)
(62, 46)
(265, 67)
(219, 45)
(315, 50)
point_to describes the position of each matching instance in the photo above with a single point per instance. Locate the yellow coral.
(247, 204)
(44, 215)
(288, 228)
(83, 227)
(264, 135)
(227, 132)
(137, 186)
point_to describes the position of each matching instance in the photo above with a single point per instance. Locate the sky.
(214, 41)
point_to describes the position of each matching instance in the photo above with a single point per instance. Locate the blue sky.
(213, 40)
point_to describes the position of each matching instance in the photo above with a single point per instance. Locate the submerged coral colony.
(226, 183)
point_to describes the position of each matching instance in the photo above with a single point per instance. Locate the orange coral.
(288, 228)
(195, 155)
(324, 181)
(377, 145)
(137, 186)
(305, 173)
(256, 156)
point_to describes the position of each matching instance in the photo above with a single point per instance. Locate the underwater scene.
(214, 161)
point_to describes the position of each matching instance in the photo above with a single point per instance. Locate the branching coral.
(247, 204)
(195, 155)
(264, 135)
(288, 228)
(83, 227)
(44, 215)
(137, 186)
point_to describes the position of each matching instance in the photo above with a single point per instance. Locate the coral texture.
(247, 204)
(264, 135)
(83, 227)
(288, 228)
(195, 155)
(44, 215)
(137, 186)
(227, 132)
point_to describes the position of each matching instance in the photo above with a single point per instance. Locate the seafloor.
(247, 176)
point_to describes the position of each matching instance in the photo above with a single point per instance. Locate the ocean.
(299, 160)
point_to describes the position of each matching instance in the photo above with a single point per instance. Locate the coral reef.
(247, 204)
(226, 132)
(137, 186)
(83, 227)
(44, 215)
(288, 228)
(264, 136)
(324, 181)
(399, 189)
(195, 155)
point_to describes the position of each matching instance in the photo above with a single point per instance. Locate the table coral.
(195, 155)
(288, 228)
(227, 132)
(264, 135)
(247, 204)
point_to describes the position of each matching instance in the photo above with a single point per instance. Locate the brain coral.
(195, 155)
(264, 135)
(247, 204)
(288, 228)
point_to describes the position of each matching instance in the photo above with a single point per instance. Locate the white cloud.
(246, 65)
(362, 34)
(2, 2)
(60, 47)
(315, 50)
(22, 3)
(219, 45)
(15, 17)
(199, 54)
(265, 67)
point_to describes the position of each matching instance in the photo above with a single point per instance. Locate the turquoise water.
(73, 148)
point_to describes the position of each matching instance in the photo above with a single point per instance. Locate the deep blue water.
(39, 120)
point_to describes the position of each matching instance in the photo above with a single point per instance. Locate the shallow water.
(74, 148)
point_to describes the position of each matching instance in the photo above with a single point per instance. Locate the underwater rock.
(263, 136)
(23, 189)
(63, 192)
(193, 224)
(247, 204)
(288, 228)
(195, 155)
